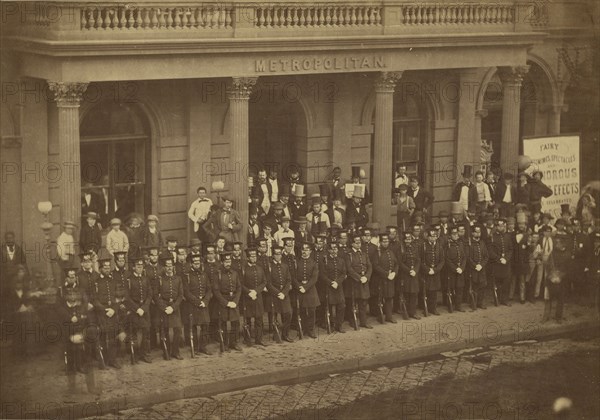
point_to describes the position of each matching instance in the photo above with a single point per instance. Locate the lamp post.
(45, 207)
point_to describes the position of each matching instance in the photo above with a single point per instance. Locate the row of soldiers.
(188, 296)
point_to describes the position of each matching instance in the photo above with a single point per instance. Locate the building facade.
(148, 101)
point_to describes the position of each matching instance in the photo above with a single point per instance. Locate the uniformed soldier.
(581, 248)
(227, 289)
(279, 286)
(395, 240)
(385, 270)
(456, 263)
(432, 262)
(139, 296)
(343, 244)
(288, 257)
(593, 265)
(212, 266)
(317, 254)
(197, 289)
(409, 263)
(477, 259)
(194, 248)
(304, 281)
(554, 286)
(106, 307)
(169, 295)
(254, 281)
(120, 274)
(500, 249)
(359, 269)
(152, 270)
(237, 257)
(73, 315)
(181, 263)
(264, 260)
(332, 274)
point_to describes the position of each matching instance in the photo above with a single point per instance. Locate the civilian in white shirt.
(401, 177)
(284, 231)
(484, 197)
(65, 245)
(274, 185)
(199, 212)
(116, 240)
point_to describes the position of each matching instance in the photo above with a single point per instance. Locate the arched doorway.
(276, 127)
(115, 160)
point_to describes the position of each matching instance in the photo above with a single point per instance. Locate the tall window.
(115, 162)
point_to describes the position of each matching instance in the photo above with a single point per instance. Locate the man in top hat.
(194, 248)
(358, 174)
(305, 281)
(400, 177)
(274, 183)
(465, 192)
(225, 222)
(537, 191)
(477, 259)
(116, 239)
(65, 245)
(254, 281)
(324, 197)
(506, 195)
(423, 199)
(336, 185)
(90, 236)
(254, 226)
(197, 290)
(199, 212)
(169, 295)
(152, 237)
(409, 266)
(332, 274)
(500, 249)
(385, 271)
(298, 208)
(359, 269)
(103, 296)
(91, 201)
(317, 220)
(356, 210)
(405, 207)
(137, 301)
(433, 257)
(284, 199)
(227, 289)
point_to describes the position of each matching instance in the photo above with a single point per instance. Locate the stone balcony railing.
(171, 19)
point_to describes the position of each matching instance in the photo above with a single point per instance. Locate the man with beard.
(456, 263)
(359, 269)
(332, 273)
(169, 295)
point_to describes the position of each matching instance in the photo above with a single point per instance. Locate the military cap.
(500, 221)
(165, 255)
(276, 247)
(69, 223)
(225, 255)
(250, 250)
(285, 219)
(119, 253)
(301, 220)
(104, 255)
(171, 238)
(384, 235)
(288, 239)
(136, 260)
(91, 215)
(278, 205)
(195, 242)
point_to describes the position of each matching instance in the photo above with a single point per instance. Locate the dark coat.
(358, 214)
(409, 259)
(477, 254)
(521, 254)
(279, 281)
(169, 292)
(103, 297)
(253, 278)
(330, 270)
(139, 295)
(358, 265)
(197, 290)
(152, 239)
(384, 262)
(501, 190)
(423, 199)
(90, 237)
(227, 287)
(472, 195)
(500, 246)
(9, 266)
(432, 256)
(456, 257)
(306, 275)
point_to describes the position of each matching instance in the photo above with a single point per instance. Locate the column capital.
(386, 81)
(68, 93)
(241, 87)
(512, 75)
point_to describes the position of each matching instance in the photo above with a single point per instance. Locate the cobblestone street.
(519, 381)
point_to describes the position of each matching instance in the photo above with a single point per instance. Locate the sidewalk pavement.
(37, 387)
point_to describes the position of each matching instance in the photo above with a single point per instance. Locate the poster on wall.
(559, 160)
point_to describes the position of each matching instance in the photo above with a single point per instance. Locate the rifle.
(327, 313)
(275, 323)
(66, 361)
(380, 303)
(425, 308)
(496, 303)
(131, 347)
(220, 330)
(245, 326)
(192, 349)
(403, 303)
(300, 332)
(356, 327)
(450, 305)
(163, 340)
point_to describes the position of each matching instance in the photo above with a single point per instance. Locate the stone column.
(239, 96)
(511, 77)
(382, 164)
(68, 97)
(554, 114)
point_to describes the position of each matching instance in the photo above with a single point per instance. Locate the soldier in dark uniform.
(500, 249)
(169, 294)
(332, 273)
(477, 259)
(581, 247)
(343, 242)
(194, 248)
(317, 254)
(279, 286)
(212, 267)
(152, 269)
(288, 257)
(139, 296)
(197, 289)
(263, 259)
(237, 257)
(227, 289)
(456, 262)
(181, 262)
(409, 263)
(120, 275)
(107, 309)
(305, 281)
(385, 271)
(254, 281)
(554, 284)
(432, 262)
(359, 269)
(593, 265)
(395, 241)
(86, 278)
(73, 315)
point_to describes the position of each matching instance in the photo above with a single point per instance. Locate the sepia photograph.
(320, 210)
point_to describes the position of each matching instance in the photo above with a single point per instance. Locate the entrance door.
(114, 169)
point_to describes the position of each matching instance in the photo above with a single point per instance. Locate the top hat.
(467, 171)
(298, 191)
(356, 172)
(284, 189)
(324, 189)
(456, 208)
